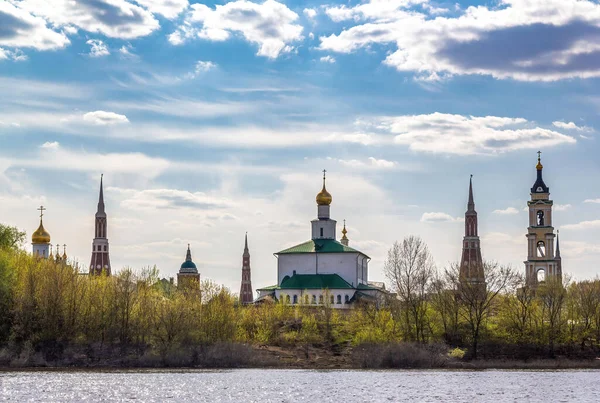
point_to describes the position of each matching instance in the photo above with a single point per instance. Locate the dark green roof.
(314, 281)
(271, 287)
(367, 287)
(320, 246)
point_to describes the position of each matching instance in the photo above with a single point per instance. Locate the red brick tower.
(246, 295)
(100, 263)
(471, 264)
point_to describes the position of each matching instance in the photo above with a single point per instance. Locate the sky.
(213, 119)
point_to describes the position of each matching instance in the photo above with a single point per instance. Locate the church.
(323, 270)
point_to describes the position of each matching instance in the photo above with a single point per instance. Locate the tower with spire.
(188, 277)
(471, 263)
(100, 262)
(543, 260)
(246, 295)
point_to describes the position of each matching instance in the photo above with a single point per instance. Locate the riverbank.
(236, 355)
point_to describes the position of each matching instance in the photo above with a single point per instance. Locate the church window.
(104, 248)
(540, 218)
(321, 232)
(346, 298)
(541, 249)
(541, 275)
(295, 299)
(321, 299)
(339, 299)
(314, 299)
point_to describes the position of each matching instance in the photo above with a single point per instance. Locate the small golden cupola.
(345, 239)
(324, 197)
(539, 165)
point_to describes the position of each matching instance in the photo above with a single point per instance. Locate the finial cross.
(41, 210)
(324, 172)
(471, 176)
(539, 155)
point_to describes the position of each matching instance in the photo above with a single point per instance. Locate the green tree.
(11, 237)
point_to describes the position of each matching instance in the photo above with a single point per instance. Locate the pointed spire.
(246, 243)
(188, 255)
(557, 245)
(471, 203)
(101, 197)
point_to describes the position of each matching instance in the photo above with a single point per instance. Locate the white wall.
(352, 267)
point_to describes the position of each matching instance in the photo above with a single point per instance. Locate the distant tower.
(542, 261)
(188, 277)
(323, 227)
(471, 263)
(344, 241)
(40, 239)
(246, 295)
(100, 262)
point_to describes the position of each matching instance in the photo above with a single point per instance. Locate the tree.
(445, 300)
(409, 267)
(11, 237)
(477, 301)
(552, 294)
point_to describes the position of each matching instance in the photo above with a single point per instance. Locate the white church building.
(323, 270)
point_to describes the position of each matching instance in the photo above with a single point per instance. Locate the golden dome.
(40, 235)
(539, 165)
(324, 197)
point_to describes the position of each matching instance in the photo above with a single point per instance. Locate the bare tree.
(552, 294)
(446, 301)
(409, 267)
(477, 300)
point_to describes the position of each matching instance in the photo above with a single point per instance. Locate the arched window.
(540, 218)
(314, 299)
(346, 299)
(541, 275)
(541, 249)
(287, 299)
(339, 299)
(321, 299)
(295, 299)
(331, 299)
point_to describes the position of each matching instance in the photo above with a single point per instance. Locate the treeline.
(50, 314)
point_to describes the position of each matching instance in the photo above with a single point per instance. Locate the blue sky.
(210, 119)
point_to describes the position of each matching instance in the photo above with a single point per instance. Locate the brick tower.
(471, 263)
(100, 263)
(246, 295)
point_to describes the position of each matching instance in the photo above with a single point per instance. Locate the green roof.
(367, 287)
(314, 281)
(271, 287)
(320, 246)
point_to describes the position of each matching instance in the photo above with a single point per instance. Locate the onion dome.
(324, 197)
(64, 256)
(344, 232)
(539, 186)
(40, 235)
(188, 266)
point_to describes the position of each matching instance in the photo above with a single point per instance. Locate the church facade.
(323, 270)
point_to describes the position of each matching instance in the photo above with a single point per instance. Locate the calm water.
(302, 386)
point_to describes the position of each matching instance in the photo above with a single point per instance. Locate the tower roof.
(101, 199)
(557, 245)
(324, 197)
(40, 235)
(471, 202)
(539, 186)
(188, 266)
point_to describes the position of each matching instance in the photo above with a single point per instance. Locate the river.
(256, 385)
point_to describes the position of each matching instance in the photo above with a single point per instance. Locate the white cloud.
(507, 211)
(583, 225)
(172, 199)
(327, 59)
(201, 67)
(98, 48)
(570, 126)
(457, 134)
(597, 201)
(14, 55)
(371, 162)
(52, 145)
(515, 40)
(105, 118)
(270, 25)
(169, 9)
(438, 217)
(561, 207)
(18, 28)
(113, 18)
(310, 12)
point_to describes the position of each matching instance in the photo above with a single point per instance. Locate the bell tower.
(543, 261)
(100, 263)
(471, 263)
(246, 294)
